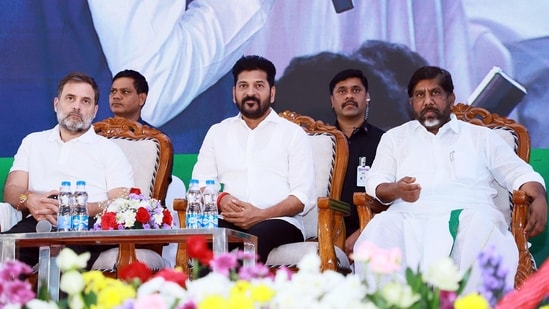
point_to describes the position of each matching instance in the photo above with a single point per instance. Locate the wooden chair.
(150, 153)
(513, 205)
(324, 225)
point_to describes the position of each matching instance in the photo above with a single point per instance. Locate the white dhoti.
(425, 238)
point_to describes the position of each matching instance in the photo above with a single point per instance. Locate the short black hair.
(254, 62)
(77, 77)
(139, 81)
(346, 74)
(430, 72)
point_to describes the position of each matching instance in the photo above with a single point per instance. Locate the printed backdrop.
(41, 41)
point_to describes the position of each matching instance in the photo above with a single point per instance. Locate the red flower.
(136, 270)
(135, 191)
(142, 216)
(197, 248)
(172, 275)
(108, 221)
(167, 217)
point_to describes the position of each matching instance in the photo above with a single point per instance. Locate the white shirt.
(89, 157)
(181, 52)
(454, 167)
(262, 166)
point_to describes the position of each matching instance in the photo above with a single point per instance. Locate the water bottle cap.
(80, 183)
(210, 182)
(194, 181)
(66, 183)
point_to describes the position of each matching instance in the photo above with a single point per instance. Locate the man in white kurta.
(436, 173)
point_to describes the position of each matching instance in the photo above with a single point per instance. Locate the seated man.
(435, 169)
(70, 151)
(264, 162)
(128, 94)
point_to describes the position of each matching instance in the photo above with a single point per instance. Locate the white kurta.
(455, 169)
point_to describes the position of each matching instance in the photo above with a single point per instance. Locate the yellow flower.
(213, 302)
(262, 293)
(114, 294)
(471, 301)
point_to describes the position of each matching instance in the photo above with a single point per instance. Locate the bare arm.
(97, 207)
(405, 188)
(537, 212)
(245, 215)
(37, 204)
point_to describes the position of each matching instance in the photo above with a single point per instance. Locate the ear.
(452, 99)
(234, 95)
(332, 101)
(95, 109)
(273, 94)
(55, 103)
(142, 99)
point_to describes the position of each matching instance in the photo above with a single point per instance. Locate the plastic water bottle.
(210, 213)
(80, 213)
(193, 216)
(65, 201)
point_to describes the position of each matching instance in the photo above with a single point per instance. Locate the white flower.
(72, 282)
(443, 274)
(40, 304)
(399, 295)
(309, 263)
(68, 260)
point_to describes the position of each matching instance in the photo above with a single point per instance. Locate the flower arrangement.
(229, 285)
(134, 211)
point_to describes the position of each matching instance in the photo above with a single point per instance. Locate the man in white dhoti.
(435, 173)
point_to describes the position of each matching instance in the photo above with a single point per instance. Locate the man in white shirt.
(70, 151)
(264, 162)
(436, 168)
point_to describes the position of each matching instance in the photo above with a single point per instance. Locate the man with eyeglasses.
(435, 173)
(350, 102)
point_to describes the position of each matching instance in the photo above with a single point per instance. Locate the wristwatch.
(22, 199)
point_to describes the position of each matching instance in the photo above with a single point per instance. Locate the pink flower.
(223, 263)
(380, 261)
(150, 301)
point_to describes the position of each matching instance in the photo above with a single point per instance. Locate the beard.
(72, 124)
(439, 118)
(255, 111)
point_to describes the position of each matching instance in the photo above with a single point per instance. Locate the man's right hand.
(408, 189)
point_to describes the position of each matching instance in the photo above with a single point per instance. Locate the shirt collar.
(363, 126)
(87, 137)
(272, 117)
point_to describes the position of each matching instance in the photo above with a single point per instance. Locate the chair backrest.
(330, 155)
(149, 151)
(512, 132)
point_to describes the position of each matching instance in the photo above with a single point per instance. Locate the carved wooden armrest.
(331, 230)
(367, 207)
(520, 211)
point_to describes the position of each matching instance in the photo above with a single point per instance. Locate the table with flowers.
(48, 271)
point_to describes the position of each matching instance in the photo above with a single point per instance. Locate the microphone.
(341, 6)
(43, 226)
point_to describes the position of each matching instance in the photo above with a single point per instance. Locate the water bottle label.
(192, 221)
(210, 221)
(80, 223)
(63, 223)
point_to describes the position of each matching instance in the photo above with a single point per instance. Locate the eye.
(86, 101)
(419, 95)
(436, 92)
(356, 90)
(341, 91)
(125, 91)
(113, 91)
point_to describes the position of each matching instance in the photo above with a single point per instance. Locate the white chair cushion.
(107, 259)
(503, 199)
(291, 254)
(323, 147)
(139, 153)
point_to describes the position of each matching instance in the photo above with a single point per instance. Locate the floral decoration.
(229, 285)
(134, 211)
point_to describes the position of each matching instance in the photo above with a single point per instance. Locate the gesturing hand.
(408, 189)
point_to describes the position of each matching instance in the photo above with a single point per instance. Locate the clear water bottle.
(65, 204)
(193, 216)
(210, 214)
(80, 213)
